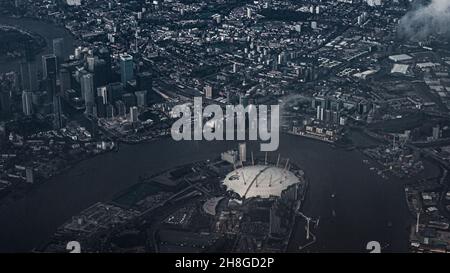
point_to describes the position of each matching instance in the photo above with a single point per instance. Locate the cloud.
(426, 20)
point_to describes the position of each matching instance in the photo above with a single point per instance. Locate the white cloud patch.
(427, 20)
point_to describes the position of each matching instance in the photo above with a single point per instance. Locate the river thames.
(365, 208)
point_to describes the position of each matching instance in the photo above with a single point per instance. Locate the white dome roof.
(260, 180)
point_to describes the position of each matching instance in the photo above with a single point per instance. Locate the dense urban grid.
(363, 75)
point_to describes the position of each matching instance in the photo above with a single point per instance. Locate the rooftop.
(260, 180)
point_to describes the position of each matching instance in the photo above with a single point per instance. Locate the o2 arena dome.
(260, 181)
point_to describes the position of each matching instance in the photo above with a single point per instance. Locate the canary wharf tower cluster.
(87, 97)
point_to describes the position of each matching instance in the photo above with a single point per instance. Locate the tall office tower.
(115, 91)
(87, 91)
(90, 109)
(141, 98)
(144, 81)
(78, 54)
(126, 68)
(54, 97)
(58, 49)
(208, 92)
(90, 61)
(57, 112)
(28, 71)
(335, 117)
(318, 112)
(121, 108)
(25, 76)
(129, 99)
(28, 76)
(65, 79)
(102, 92)
(105, 55)
(328, 116)
(134, 114)
(100, 73)
(49, 65)
(50, 82)
(101, 107)
(27, 103)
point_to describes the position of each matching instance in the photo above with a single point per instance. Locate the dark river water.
(364, 203)
(363, 206)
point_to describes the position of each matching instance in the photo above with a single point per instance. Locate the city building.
(87, 91)
(134, 113)
(27, 103)
(58, 49)
(126, 68)
(49, 65)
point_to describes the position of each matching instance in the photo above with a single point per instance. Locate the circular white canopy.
(260, 180)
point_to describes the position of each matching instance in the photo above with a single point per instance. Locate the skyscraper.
(90, 60)
(87, 91)
(57, 112)
(208, 92)
(87, 87)
(134, 114)
(28, 76)
(58, 49)
(65, 81)
(141, 98)
(129, 99)
(115, 91)
(100, 73)
(28, 70)
(101, 107)
(105, 55)
(102, 92)
(49, 65)
(27, 103)
(126, 68)
(25, 76)
(51, 87)
(144, 81)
